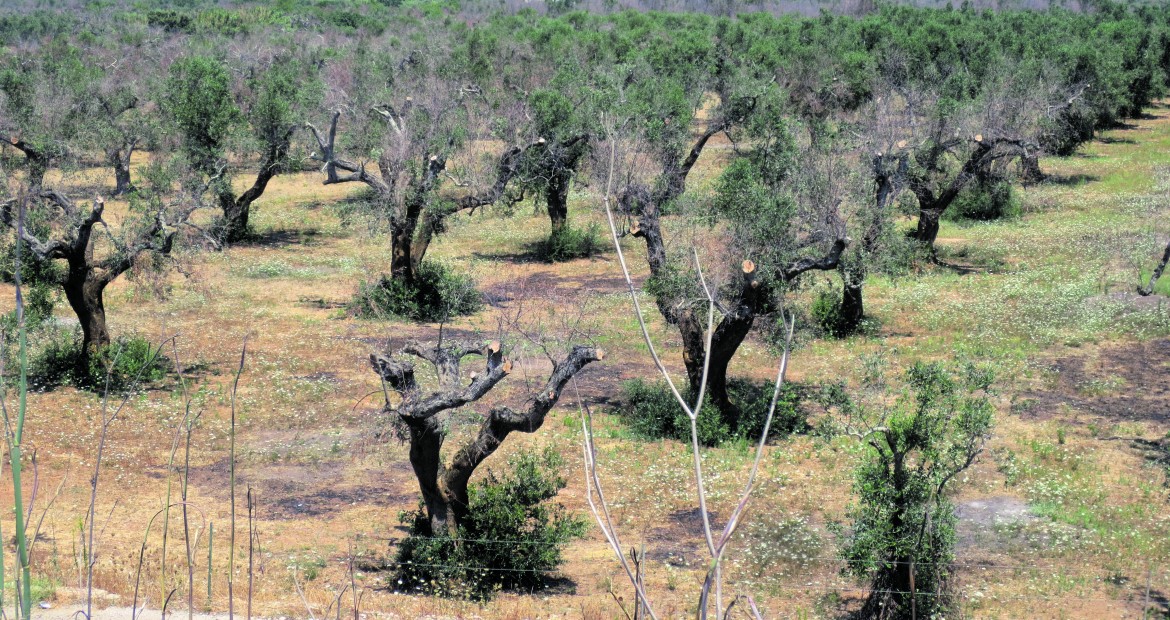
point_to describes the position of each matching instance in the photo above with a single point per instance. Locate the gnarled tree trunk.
(236, 210)
(444, 488)
(84, 291)
(119, 158)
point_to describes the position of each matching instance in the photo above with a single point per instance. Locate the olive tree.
(444, 486)
(407, 121)
(45, 105)
(901, 539)
(200, 100)
(778, 206)
(94, 254)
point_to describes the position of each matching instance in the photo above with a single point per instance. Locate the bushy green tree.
(901, 536)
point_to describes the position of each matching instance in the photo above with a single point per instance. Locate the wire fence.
(1136, 583)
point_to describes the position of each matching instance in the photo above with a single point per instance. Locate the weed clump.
(56, 358)
(985, 201)
(512, 538)
(652, 412)
(568, 243)
(435, 294)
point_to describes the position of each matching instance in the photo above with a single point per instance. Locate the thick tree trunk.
(1148, 289)
(402, 261)
(852, 304)
(1030, 172)
(557, 197)
(85, 295)
(119, 158)
(928, 223)
(426, 441)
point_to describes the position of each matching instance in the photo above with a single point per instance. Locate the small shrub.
(826, 313)
(985, 201)
(55, 358)
(652, 412)
(512, 539)
(436, 294)
(571, 243)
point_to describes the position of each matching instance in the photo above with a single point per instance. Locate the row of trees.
(830, 127)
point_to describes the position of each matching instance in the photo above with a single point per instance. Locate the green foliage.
(55, 358)
(651, 411)
(199, 101)
(991, 199)
(826, 313)
(915, 449)
(570, 243)
(512, 540)
(436, 294)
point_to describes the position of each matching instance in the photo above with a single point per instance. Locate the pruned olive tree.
(776, 212)
(444, 485)
(93, 253)
(200, 100)
(412, 126)
(944, 136)
(125, 116)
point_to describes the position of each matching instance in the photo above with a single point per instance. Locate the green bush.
(571, 243)
(512, 539)
(985, 201)
(435, 295)
(55, 358)
(652, 412)
(826, 313)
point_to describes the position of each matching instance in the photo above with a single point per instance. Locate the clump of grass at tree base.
(570, 243)
(512, 539)
(436, 294)
(652, 412)
(983, 201)
(56, 359)
(826, 313)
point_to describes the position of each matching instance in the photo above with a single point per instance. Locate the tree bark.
(85, 295)
(557, 199)
(119, 158)
(852, 303)
(1148, 288)
(928, 224)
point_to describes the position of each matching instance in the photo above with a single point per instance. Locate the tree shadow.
(1113, 140)
(1070, 180)
(281, 238)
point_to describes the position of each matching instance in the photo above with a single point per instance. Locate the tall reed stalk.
(14, 436)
